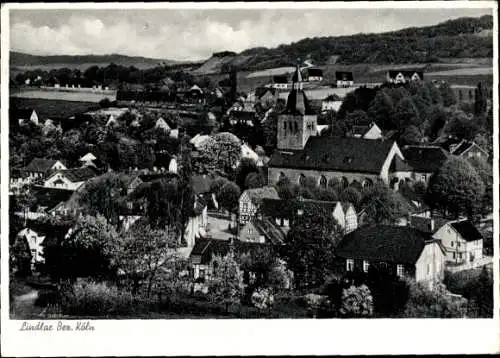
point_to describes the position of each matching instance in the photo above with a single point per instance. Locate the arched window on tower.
(282, 176)
(302, 180)
(296, 127)
(367, 183)
(322, 182)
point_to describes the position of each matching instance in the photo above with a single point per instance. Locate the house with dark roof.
(420, 162)
(36, 170)
(370, 131)
(400, 250)
(279, 82)
(404, 75)
(346, 159)
(25, 115)
(205, 249)
(462, 241)
(70, 179)
(262, 231)
(283, 212)
(251, 200)
(468, 149)
(313, 74)
(344, 79)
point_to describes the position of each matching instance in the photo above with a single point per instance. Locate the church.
(301, 153)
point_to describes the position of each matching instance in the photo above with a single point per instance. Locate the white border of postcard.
(247, 337)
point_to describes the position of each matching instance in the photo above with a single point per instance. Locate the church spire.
(297, 78)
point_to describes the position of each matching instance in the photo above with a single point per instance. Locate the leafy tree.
(89, 250)
(481, 100)
(435, 122)
(20, 256)
(262, 298)
(286, 189)
(351, 195)
(447, 95)
(485, 172)
(406, 113)
(228, 151)
(460, 125)
(145, 251)
(381, 110)
(226, 283)
(411, 135)
(247, 166)
(390, 293)
(310, 244)
(382, 205)
(356, 302)
(228, 196)
(456, 188)
(254, 180)
(433, 303)
(435, 94)
(355, 118)
(480, 295)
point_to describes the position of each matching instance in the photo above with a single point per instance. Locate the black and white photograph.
(215, 163)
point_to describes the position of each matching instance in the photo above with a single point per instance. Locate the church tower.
(297, 122)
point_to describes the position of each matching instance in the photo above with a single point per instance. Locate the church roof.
(297, 102)
(336, 154)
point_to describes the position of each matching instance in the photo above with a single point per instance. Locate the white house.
(111, 121)
(161, 124)
(87, 160)
(462, 241)
(330, 105)
(33, 118)
(35, 244)
(172, 166)
(71, 179)
(367, 132)
(251, 200)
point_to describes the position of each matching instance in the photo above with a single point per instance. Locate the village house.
(162, 124)
(401, 250)
(301, 153)
(35, 242)
(36, 170)
(331, 103)
(344, 79)
(313, 74)
(462, 241)
(251, 200)
(205, 249)
(27, 115)
(420, 162)
(404, 76)
(371, 131)
(464, 93)
(267, 97)
(468, 149)
(282, 212)
(197, 222)
(262, 231)
(69, 179)
(279, 82)
(88, 160)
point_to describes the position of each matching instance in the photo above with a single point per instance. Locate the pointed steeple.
(297, 102)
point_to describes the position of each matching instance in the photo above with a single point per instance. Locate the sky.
(192, 35)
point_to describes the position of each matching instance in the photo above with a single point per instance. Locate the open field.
(62, 95)
(47, 108)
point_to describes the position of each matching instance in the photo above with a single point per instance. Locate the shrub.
(262, 298)
(357, 302)
(88, 298)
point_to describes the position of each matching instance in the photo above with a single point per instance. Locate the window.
(454, 255)
(249, 230)
(244, 207)
(322, 182)
(350, 265)
(460, 255)
(458, 243)
(302, 180)
(400, 270)
(202, 273)
(452, 243)
(366, 265)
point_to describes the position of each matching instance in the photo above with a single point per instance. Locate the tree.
(485, 172)
(460, 125)
(145, 251)
(262, 298)
(381, 110)
(382, 205)
(356, 118)
(228, 196)
(309, 245)
(447, 95)
(481, 100)
(351, 195)
(89, 250)
(227, 151)
(226, 283)
(411, 135)
(105, 103)
(480, 295)
(406, 113)
(254, 180)
(247, 166)
(435, 122)
(20, 256)
(356, 302)
(456, 188)
(434, 303)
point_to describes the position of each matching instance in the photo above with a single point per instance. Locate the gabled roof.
(426, 159)
(207, 248)
(344, 76)
(297, 103)
(396, 244)
(270, 230)
(338, 154)
(40, 165)
(407, 73)
(280, 79)
(78, 174)
(258, 194)
(463, 146)
(467, 230)
(88, 157)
